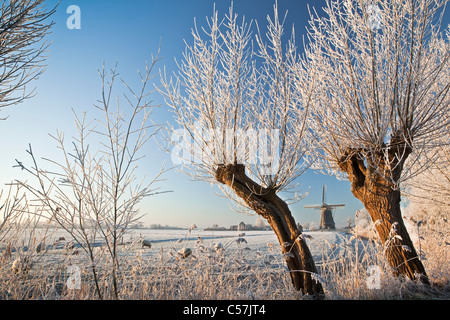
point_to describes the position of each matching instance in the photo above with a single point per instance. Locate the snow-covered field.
(253, 247)
(321, 244)
(253, 244)
(251, 265)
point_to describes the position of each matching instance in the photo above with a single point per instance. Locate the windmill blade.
(313, 207)
(323, 195)
(336, 205)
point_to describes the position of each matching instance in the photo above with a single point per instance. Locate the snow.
(322, 244)
(257, 248)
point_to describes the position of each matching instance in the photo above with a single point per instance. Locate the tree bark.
(382, 201)
(266, 203)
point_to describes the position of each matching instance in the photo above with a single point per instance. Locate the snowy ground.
(252, 261)
(322, 244)
(256, 241)
(246, 255)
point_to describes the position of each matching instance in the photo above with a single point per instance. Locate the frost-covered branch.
(382, 91)
(237, 103)
(23, 26)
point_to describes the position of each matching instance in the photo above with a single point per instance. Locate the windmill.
(326, 212)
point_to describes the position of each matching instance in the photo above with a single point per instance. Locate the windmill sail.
(323, 195)
(313, 207)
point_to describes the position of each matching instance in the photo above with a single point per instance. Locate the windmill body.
(326, 213)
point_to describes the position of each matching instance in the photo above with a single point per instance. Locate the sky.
(129, 32)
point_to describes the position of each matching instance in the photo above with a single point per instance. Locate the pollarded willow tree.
(243, 126)
(381, 101)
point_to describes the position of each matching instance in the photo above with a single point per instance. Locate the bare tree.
(243, 126)
(23, 26)
(381, 100)
(93, 191)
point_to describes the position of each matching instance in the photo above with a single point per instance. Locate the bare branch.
(23, 27)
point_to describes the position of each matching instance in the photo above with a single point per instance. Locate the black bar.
(219, 309)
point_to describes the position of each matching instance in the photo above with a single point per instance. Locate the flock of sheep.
(23, 264)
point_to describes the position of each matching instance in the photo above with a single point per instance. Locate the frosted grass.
(221, 265)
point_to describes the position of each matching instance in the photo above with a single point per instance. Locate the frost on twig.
(24, 25)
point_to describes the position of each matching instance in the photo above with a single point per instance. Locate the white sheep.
(21, 265)
(146, 243)
(69, 246)
(184, 253)
(218, 247)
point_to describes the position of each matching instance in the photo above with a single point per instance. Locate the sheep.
(21, 265)
(146, 243)
(58, 243)
(69, 246)
(40, 247)
(218, 247)
(184, 253)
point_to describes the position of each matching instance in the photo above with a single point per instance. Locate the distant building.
(247, 227)
(240, 227)
(214, 228)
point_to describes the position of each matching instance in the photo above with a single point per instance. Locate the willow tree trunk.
(266, 203)
(382, 201)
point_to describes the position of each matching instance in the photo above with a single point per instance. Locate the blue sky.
(129, 32)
